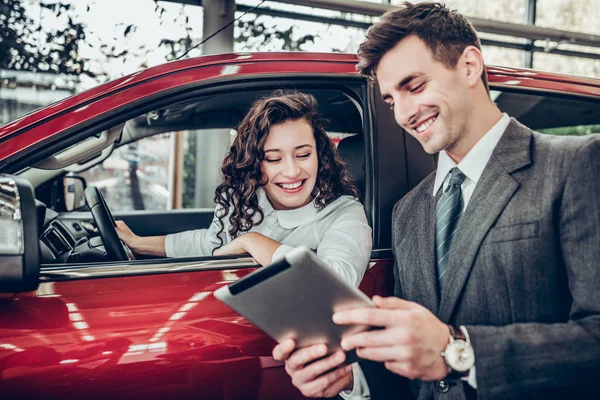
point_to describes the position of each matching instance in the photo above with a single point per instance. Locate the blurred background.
(51, 49)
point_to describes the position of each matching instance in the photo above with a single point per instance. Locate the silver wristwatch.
(459, 355)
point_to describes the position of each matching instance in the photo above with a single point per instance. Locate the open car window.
(161, 175)
(551, 114)
(169, 158)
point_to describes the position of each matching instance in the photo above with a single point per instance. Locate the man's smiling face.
(429, 100)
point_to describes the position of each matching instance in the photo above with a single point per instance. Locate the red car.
(79, 318)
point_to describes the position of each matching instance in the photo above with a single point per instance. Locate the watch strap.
(456, 375)
(457, 333)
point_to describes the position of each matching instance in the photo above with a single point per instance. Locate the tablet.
(295, 298)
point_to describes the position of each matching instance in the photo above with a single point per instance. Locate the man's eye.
(417, 88)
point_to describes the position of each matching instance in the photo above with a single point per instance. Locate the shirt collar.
(473, 164)
(287, 219)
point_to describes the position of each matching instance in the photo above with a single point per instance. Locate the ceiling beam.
(304, 17)
(531, 32)
(480, 24)
(364, 25)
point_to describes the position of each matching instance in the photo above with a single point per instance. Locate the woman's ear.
(473, 62)
(264, 179)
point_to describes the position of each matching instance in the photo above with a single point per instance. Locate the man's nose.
(405, 111)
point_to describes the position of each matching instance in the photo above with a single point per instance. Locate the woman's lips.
(292, 188)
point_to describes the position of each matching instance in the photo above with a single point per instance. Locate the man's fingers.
(303, 356)
(283, 350)
(376, 338)
(324, 383)
(367, 316)
(338, 386)
(398, 354)
(313, 370)
(393, 303)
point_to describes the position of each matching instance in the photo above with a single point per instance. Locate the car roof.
(504, 76)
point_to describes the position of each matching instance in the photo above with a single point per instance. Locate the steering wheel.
(116, 250)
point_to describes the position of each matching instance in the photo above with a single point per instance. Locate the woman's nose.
(291, 168)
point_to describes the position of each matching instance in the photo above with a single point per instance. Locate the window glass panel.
(507, 10)
(548, 114)
(493, 55)
(175, 153)
(566, 65)
(135, 176)
(203, 153)
(569, 15)
(142, 175)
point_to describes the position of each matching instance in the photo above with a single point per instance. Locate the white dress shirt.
(339, 233)
(472, 166)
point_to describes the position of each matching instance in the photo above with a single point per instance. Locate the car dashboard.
(67, 242)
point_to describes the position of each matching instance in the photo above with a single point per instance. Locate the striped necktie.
(448, 211)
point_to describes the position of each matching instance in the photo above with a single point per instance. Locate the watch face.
(459, 356)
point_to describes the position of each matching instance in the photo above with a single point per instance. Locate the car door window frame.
(355, 88)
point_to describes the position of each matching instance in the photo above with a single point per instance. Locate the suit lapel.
(493, 192)
(426, 250)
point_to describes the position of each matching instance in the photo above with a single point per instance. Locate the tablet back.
(296, 298)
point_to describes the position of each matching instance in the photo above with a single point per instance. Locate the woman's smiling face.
(290, 164)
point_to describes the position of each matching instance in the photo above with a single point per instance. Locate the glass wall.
(61, 47)
(571, 15)
(566, 65)
(505, 10)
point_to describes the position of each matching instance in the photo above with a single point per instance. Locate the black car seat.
(352, 150)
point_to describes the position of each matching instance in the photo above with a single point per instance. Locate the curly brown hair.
(445, 32)
(241, 168)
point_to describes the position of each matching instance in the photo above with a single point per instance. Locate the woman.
(284, 186)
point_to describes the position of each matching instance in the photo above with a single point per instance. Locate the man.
(497, 253)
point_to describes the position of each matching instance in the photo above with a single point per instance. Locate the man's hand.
(410, 343)
(312, 374)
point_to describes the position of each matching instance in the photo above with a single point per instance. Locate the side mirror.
(19, 237)
(74, 189)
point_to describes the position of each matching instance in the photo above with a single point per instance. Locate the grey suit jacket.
(523, 274)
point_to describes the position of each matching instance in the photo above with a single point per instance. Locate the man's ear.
(473, 62)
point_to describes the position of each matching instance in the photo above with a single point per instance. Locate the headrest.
(352, 150)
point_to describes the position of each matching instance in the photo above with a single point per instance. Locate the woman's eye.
(272, 160)
(303, 155)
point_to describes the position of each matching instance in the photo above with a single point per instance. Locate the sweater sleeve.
(196, 243)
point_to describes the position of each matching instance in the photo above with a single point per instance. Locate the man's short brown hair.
(445, 32)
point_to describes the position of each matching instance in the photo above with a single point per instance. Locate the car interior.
(70, 235)
(540, 112)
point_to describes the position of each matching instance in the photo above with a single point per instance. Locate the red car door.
(148, 328)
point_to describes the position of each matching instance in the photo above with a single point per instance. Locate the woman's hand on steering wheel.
(126, 235)
(116, 250)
